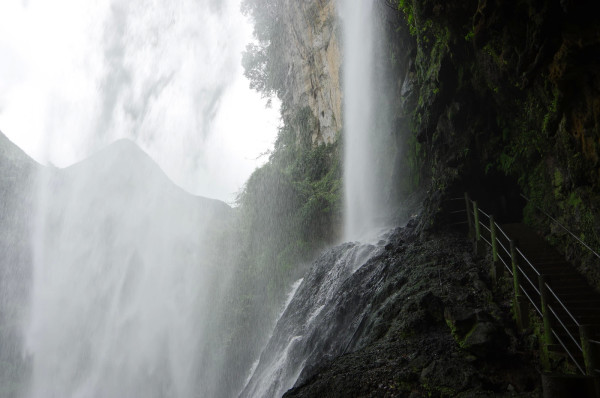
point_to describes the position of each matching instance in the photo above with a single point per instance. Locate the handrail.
(556, 336)
(506, 265)
(545, 309)
(486, 241)
(529, 280)
(528, 262)
(562, 305)
(503, 233)
(531, 300)
(563, 227)
(564, 327)
(504, 247)
(484, 213)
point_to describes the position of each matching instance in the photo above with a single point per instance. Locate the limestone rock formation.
(314, 59)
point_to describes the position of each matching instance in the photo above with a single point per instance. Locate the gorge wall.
(494, 98)
(497, 99)
(506, 102)
(298, 59)
(314, 59)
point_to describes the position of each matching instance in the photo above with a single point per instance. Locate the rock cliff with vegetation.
(498, 99)
(507, 102)
(297, 58)
(495, 98)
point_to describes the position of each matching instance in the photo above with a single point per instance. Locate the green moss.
(460, 340)
(452, 327)
(469, 36)
(552, 112)
(407, 9)
(494, 54)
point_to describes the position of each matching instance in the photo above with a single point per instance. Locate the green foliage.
(262, 61)
(291, 206)
(525, 148)
(552, 112)
(470, 35)
(406, 7)
(288, 210)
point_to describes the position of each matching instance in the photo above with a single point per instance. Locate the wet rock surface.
(434, 329)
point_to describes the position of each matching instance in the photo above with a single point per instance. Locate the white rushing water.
(306, 331)
(126, 280)
(362, 201)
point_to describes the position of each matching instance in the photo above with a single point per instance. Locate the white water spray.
(125, 296)
(362, 197)
(125, 282)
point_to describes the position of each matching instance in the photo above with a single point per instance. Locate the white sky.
(75, 75)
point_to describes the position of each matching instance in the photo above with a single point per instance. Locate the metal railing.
(560, 325)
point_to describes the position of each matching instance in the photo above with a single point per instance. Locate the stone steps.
(573, 290)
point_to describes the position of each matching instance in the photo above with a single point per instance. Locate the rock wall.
(416, 331)
(506, 102)
(314, 60)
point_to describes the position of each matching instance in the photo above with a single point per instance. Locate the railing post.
(545, 296)
(469, 218)
(477, 244)
(589, 353)
(496, 268)
(518, 300)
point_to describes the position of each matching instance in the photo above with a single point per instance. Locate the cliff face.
(497, 99)
(506, 102)
(398, 327)
(313, 59)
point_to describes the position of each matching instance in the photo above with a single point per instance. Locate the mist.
(166, 75)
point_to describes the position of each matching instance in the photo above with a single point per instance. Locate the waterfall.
(324, 317)
(126, 278)
(371, 200)
(362, 196)
(319, 323)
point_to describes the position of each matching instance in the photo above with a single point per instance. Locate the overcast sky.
(75, 75)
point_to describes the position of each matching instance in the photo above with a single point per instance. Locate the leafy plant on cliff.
(291, 206)
(406, 7)
(262, 60)
(294, 200)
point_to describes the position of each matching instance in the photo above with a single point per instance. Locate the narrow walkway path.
(572, 299)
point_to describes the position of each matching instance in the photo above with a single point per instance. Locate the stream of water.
(362, 201)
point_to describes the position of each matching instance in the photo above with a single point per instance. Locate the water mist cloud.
(167, 75)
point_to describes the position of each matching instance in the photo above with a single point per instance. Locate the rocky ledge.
(436, 329)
